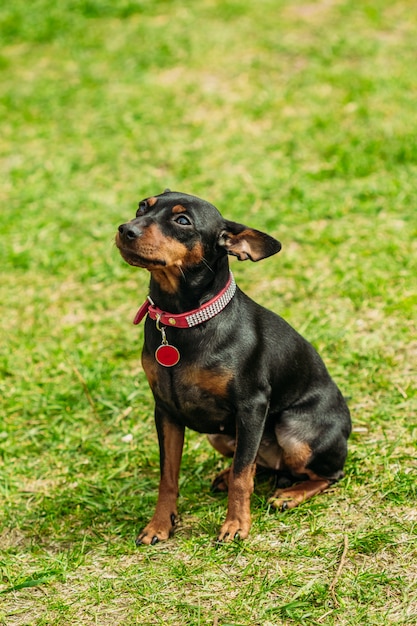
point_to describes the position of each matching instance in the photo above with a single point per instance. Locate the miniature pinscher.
(221, 364)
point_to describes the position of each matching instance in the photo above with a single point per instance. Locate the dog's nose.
(129, 232)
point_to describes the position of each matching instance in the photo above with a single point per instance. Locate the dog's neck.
(178, 291)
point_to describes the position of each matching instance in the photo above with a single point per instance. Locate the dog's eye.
(182, 220)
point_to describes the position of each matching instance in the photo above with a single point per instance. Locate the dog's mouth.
(138, 260)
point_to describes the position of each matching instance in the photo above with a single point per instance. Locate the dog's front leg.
(171, 441)
(240, 482)
(238, 518)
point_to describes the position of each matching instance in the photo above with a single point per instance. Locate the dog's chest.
(197, 397)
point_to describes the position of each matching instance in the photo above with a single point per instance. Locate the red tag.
(167, 355)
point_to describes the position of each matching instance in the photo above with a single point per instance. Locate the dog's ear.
(247, 243)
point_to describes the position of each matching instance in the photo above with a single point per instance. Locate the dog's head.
(177, 232)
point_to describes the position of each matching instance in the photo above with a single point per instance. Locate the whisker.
(207, 265)
(182, 272)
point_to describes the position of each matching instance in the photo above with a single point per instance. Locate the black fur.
(245, 375)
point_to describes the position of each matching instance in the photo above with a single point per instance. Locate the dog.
(221, 364)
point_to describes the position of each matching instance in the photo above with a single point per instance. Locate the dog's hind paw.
(221, 482)
(289, 498)
(282, 503)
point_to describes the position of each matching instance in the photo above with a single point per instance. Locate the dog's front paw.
(233, 529)
(157, 530)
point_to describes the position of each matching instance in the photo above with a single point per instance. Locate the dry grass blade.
(335, 580)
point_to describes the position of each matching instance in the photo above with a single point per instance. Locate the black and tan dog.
(221, 364)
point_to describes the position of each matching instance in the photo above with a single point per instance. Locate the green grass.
(295, 118)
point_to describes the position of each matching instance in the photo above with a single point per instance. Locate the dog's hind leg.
(314, 470)
(289, 498)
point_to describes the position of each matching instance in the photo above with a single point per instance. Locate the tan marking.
(297, 456)
(153, 245)
(177, 257)
(152, 201)
(150, 368)
(163, 521)
(312, 475)
(291, 497)
(168, 279)
(178, 208)
(238, 518)
(194, 256)
(214, 382)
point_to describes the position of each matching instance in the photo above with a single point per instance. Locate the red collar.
(190, 318)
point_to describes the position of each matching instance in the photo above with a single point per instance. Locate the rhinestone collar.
(190, 318)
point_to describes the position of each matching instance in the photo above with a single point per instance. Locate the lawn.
(296, 118)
